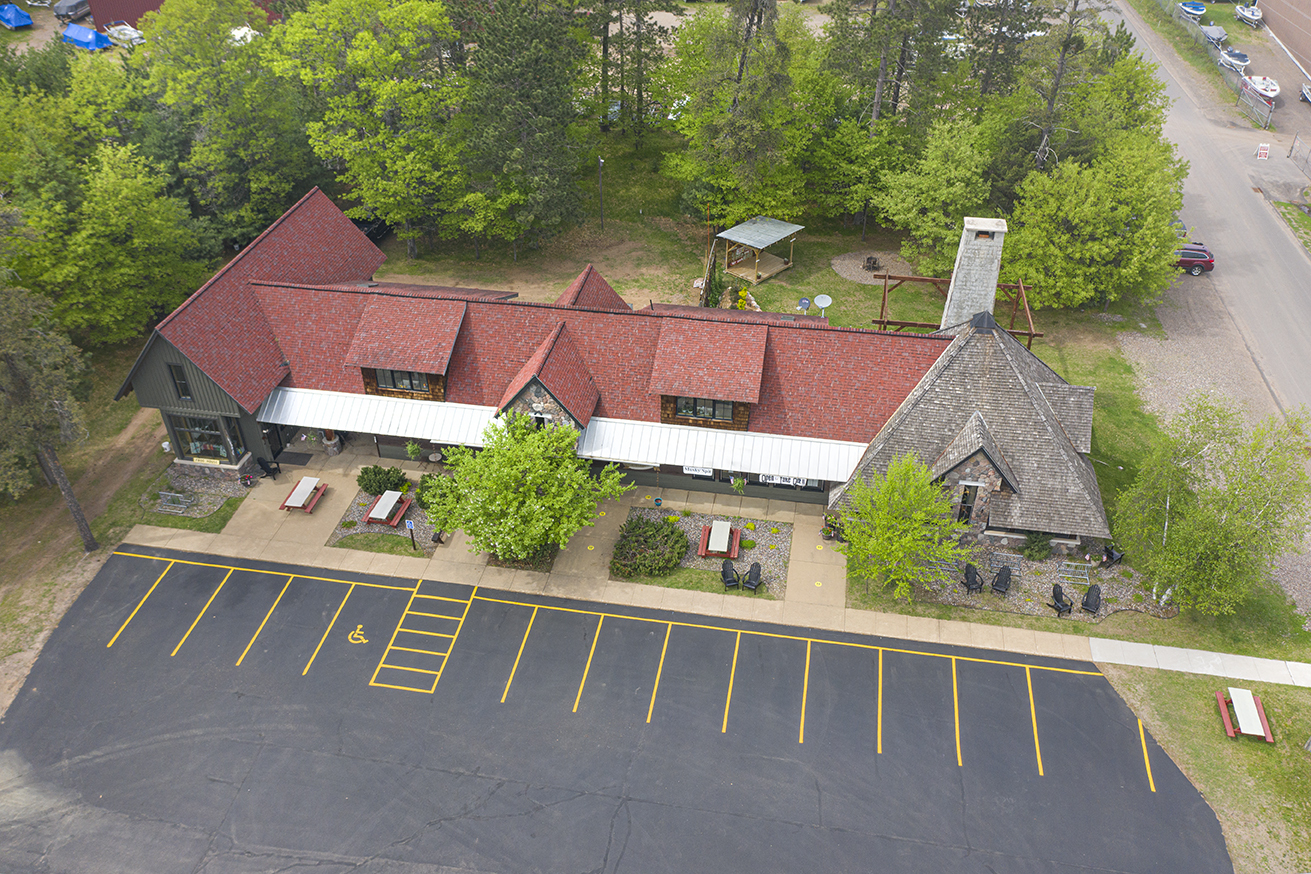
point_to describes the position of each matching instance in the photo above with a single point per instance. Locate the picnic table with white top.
(305, 495)
(1248, 711)
(383, 506)
(719, 534)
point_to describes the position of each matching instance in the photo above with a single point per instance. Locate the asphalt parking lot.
(189, 715)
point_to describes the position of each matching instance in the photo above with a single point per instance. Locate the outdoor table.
(1248, 711)
(305, 495)
(383, 507)
(719, 534)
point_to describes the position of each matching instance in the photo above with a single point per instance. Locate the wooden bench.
(305, 495)
(172, 502)
(393, 508)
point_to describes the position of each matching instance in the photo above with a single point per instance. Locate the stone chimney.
(974, 281)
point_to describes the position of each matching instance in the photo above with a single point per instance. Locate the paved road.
(192, 715)
(1263, 274)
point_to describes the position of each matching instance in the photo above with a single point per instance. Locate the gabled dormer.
(708, 373)
(402, 346)
(554, 385)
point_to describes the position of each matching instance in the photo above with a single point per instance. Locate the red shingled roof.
(559, 367)
(406, 334)
(222, 323)
(732, 315)
(709, 360)
(591, 291)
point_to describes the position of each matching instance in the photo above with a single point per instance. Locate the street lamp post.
(600, 188)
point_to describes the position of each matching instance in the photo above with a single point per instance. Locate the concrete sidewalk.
(816, 592)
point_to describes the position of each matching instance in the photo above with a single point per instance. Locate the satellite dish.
(803, 304)
(823, 301)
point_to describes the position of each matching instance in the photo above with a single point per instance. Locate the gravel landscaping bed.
(208, 493)
(773, 545)
(1031, 592)
(355, 517)
(851, 266)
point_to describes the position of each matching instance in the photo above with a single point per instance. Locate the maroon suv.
(1195, 258)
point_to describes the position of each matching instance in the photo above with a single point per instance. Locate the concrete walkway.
(816, 593)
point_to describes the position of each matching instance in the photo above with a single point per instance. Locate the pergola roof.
(760, 232)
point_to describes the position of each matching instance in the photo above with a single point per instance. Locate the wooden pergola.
(744, 253)
(1012, 293)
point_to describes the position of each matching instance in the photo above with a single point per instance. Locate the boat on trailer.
(1215, 34)
(1263, 85)
(1192, 9)
(1234, 60)
(1248, 14)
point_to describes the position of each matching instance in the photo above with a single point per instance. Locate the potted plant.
(827, 532)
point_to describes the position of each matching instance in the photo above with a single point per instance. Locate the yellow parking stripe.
(252, 570)
(143, 600)
(424, 651)
(588, 666)
(805, 691)
(458, 629)
(1142, 736)
(1033, 716)
(880, 747)
(659, 669)
(798, 637)
(200, 614)
(731, 675)
(327, 630)
(266, 619)
(955, 701)
(522, 643)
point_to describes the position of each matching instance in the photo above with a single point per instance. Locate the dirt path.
(55, 571)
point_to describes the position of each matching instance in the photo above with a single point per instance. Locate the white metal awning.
(740, 451)
(373, 414)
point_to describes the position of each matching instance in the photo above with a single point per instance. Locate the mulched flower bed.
(1031, 591)
(773, 545)
(208, 492)
(355, 517)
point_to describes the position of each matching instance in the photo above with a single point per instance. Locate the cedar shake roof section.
(221, 327)
(974, 437)
(406, 334)
(591, 291)
(559, 367)
(1073, 405)
(986, 371)
(709, 360)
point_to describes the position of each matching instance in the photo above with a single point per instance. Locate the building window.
(180, 381)
(967, 499)
(703, 408)
(201, 438)
(403, 380)
(234, 436)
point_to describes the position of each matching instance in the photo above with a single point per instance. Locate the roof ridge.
(218, 274)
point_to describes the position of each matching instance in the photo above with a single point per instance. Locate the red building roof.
(406, 334)
(559, 367)
(591, 291)
(709, 360)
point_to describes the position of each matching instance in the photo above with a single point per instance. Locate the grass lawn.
(1261, 792)
(698, 581)
(390, 544)
(1296, 219)
(1191, 52)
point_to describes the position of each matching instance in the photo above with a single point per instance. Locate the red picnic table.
(718, 538)
(388, 508)
(1250, 713)
(305, 495)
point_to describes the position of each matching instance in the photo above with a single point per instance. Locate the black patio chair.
(1059, 602)
(729, 575)
(752, 579)
(973, 582)
(1001, 583)
(268, 469)
(1111, 556)
(1092, 600)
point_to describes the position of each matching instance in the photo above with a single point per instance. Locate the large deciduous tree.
(1100, 232)
(525, 491)
(1214, 504)
(37, 409)
(899, 527)
(389, 98)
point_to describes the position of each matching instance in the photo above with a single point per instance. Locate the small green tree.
(526, 490)
(1214, 505)
(899, 527)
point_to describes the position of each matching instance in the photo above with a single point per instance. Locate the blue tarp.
(85, 37)
(12, 17)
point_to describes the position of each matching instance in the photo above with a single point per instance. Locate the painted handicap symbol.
(357, 636)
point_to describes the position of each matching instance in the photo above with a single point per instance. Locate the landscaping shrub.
(426, 483)
(1037, 546)
(648, 548)
(748, 544)
(377, 479)
(349, 523)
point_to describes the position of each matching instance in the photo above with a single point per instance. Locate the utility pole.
(600, 188)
